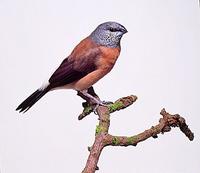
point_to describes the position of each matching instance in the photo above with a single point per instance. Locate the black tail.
(31, 100)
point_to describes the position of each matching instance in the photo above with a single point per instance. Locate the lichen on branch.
(103, 138)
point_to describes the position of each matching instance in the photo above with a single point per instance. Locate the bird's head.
(108, 34)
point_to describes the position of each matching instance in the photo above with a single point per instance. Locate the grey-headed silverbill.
(89, 61)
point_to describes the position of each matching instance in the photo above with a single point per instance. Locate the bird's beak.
(124, 30)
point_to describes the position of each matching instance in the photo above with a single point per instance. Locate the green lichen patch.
(131, 140)
(115, 141)
(87, 109)
(99, 129)
(115, 106)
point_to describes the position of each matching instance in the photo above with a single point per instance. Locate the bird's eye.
(113, 29)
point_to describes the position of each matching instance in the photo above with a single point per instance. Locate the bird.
(89, 61)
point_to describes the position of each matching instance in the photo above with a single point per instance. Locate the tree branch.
(103, 138)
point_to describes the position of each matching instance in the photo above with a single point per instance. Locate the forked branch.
(103, 138)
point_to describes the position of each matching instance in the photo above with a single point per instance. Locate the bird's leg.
(91, 98)
(91, 92)
(84, 97)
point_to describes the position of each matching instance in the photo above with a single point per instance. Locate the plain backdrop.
(159, 63)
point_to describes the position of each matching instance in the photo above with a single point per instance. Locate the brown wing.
(76, 66)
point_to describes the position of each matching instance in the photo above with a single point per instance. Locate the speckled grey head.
(108, 34)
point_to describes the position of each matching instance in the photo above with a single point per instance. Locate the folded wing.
(74, 68)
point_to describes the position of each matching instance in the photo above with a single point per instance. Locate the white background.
(159, 63)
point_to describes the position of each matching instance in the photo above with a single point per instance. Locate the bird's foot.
(94, 101)
(97, 104)
(101, 103)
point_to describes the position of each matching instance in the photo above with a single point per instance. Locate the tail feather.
(31, 100)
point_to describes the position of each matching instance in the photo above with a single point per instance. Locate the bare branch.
(164, 125)
(103, 138)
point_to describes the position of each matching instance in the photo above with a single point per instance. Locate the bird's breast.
(108, 58)
(104, 63)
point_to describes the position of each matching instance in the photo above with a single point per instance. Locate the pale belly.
(85, 82)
